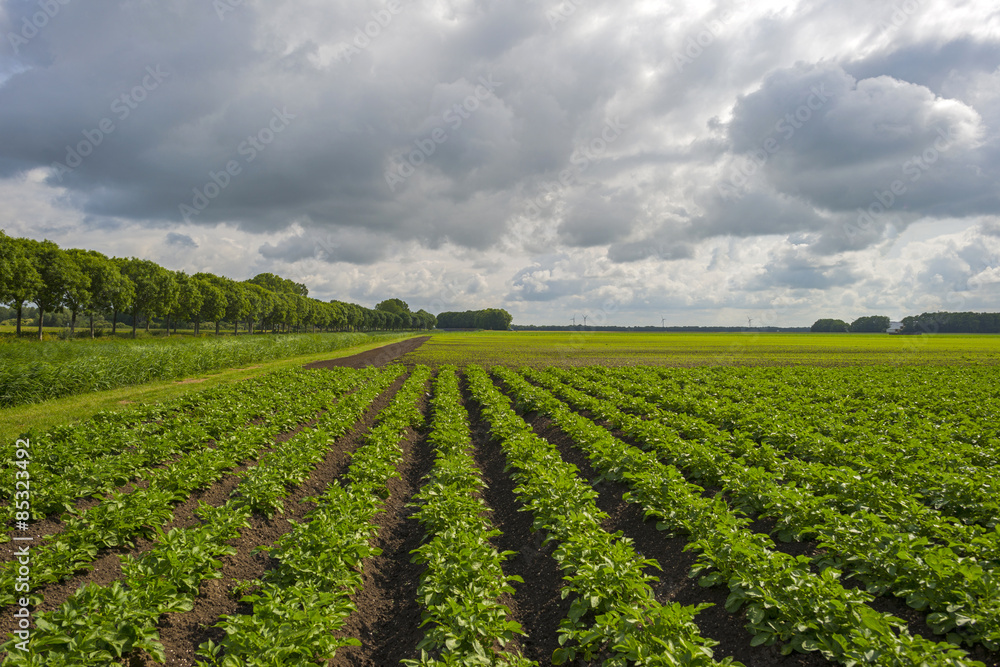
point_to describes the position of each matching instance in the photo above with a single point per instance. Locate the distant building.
(895, 328)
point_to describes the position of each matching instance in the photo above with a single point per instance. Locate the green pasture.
(516, 348)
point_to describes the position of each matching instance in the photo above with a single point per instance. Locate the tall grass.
(31, 371)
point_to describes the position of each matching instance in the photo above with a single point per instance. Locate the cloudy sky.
(698, 162)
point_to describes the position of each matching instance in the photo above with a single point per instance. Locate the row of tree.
(868, 324)
(942, 322)
(492, 319)
(952, 323)
(90, 284)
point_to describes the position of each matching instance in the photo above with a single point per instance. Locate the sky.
(640, 163)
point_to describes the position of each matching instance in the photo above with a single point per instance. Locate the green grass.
(32, 371)
(516, 348)
(42, 417)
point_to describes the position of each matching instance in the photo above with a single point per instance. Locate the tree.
(493, 319)
(60, 276)
(237, 303)
(830, 326)
(23, 279)
(189, 298)
(121, 296)
(394, 306)
(81, 300)
(260, 301)
(152, 288)
(106, 281)
(213, 302)
(871, 324)
(427, 321)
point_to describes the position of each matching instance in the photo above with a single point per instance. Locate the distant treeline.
(916, 324)
(952, 323)
(491, 319)
(674, 329)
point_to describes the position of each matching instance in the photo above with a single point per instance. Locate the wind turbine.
(750, 323)
(663, 323)
(584, 320)
(574, 320)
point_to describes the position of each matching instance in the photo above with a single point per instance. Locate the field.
(683, 349)
(629, 502)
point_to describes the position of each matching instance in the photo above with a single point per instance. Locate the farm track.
(181, 634)
(380, 356)
(387, 620)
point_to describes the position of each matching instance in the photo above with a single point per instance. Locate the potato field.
(473, 515)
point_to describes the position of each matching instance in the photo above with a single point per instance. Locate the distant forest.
(675, 329)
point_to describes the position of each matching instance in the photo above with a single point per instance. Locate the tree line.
(492, 319)
(915, 324)
(90, 284)
(867, 324)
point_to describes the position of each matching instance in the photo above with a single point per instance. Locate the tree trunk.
(148, 318)
(197, 324)
(168, 325)
(20, 306)
(72, 323)
(92, 325)
(114, 322)
(41, 320)
(216, 327)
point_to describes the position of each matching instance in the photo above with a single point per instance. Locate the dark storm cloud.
(211, 120)
(931, 64)
(180, 240)
(800, 270)
(598, 217)
(815, 149)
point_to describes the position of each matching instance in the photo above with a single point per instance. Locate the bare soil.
(380, 356)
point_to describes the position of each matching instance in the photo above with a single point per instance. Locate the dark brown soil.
(380, 356)
(537, 604)
(387, 620)
(674, 583)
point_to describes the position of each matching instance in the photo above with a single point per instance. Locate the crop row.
(93, 458)
(782, 599)
(100, 624)
(846, 490)
(930, 468)
(963, 592)
(121, 517)
(614, 614)
(464, 578)
(298, 605)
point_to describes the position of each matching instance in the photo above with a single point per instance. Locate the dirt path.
(380, 356)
